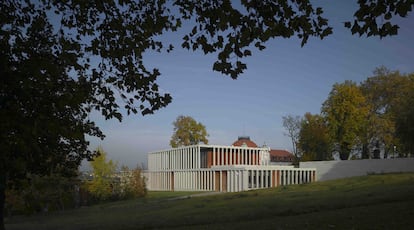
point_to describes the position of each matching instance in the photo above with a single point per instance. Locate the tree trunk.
(365, 151)
(344, 151)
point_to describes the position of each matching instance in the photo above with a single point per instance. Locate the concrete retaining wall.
(330, 170)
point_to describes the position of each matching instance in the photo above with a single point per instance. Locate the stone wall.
(330, 170)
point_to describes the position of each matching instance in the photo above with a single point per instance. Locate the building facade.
(219, 168)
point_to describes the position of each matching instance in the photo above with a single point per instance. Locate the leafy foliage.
(42, 194)
(373, 17)
(102, 186)
(231, 31)
(346, 112)
(391, 95)
(188, 131)
(314, 139)
(132, 183)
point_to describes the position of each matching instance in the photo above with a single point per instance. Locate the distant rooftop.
(244, 141)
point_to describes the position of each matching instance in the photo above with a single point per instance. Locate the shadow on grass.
(361, 201)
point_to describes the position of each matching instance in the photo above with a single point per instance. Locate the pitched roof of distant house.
(280, 153)
(245, 141)
(277, 155)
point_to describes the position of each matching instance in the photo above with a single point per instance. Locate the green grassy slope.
(369, 202)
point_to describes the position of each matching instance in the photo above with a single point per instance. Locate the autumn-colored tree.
(390, 95)
(346, 112)
(188, 131)
(132, 182)
(314, 140)
(404, 123)
(102, 186)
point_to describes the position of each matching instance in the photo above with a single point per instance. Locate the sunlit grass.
(375, 201)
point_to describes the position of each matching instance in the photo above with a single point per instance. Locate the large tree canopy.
(188, 131)
(346, 112)
(60, 60)
(391, 96)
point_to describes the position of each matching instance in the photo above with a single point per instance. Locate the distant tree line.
(359, 120)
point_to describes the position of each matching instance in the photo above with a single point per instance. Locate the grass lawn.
(369, 202)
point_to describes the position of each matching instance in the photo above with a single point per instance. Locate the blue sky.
(283, 79)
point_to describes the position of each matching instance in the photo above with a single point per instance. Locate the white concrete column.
(230, 156)
(262, 178)
(256, 173)
(173, 160)
(241, 180)
(199, 158)
(196, 181)
(287, 177)
(164, 160)
(201, 180)
(155, 162)
(188, 153)
(213, 174)
(234, 180)
(205, 181)
(184, 158)
(177, 159)
(185, 151)
(159, 161)
(210, 181)
(190, 180)
(221, 181)
(245, 180)
(229, 185)
(195, 164)
(271, 178)
(242, 157)
(191, 163)
(188, 158)
(193, 158)
(226, 162)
